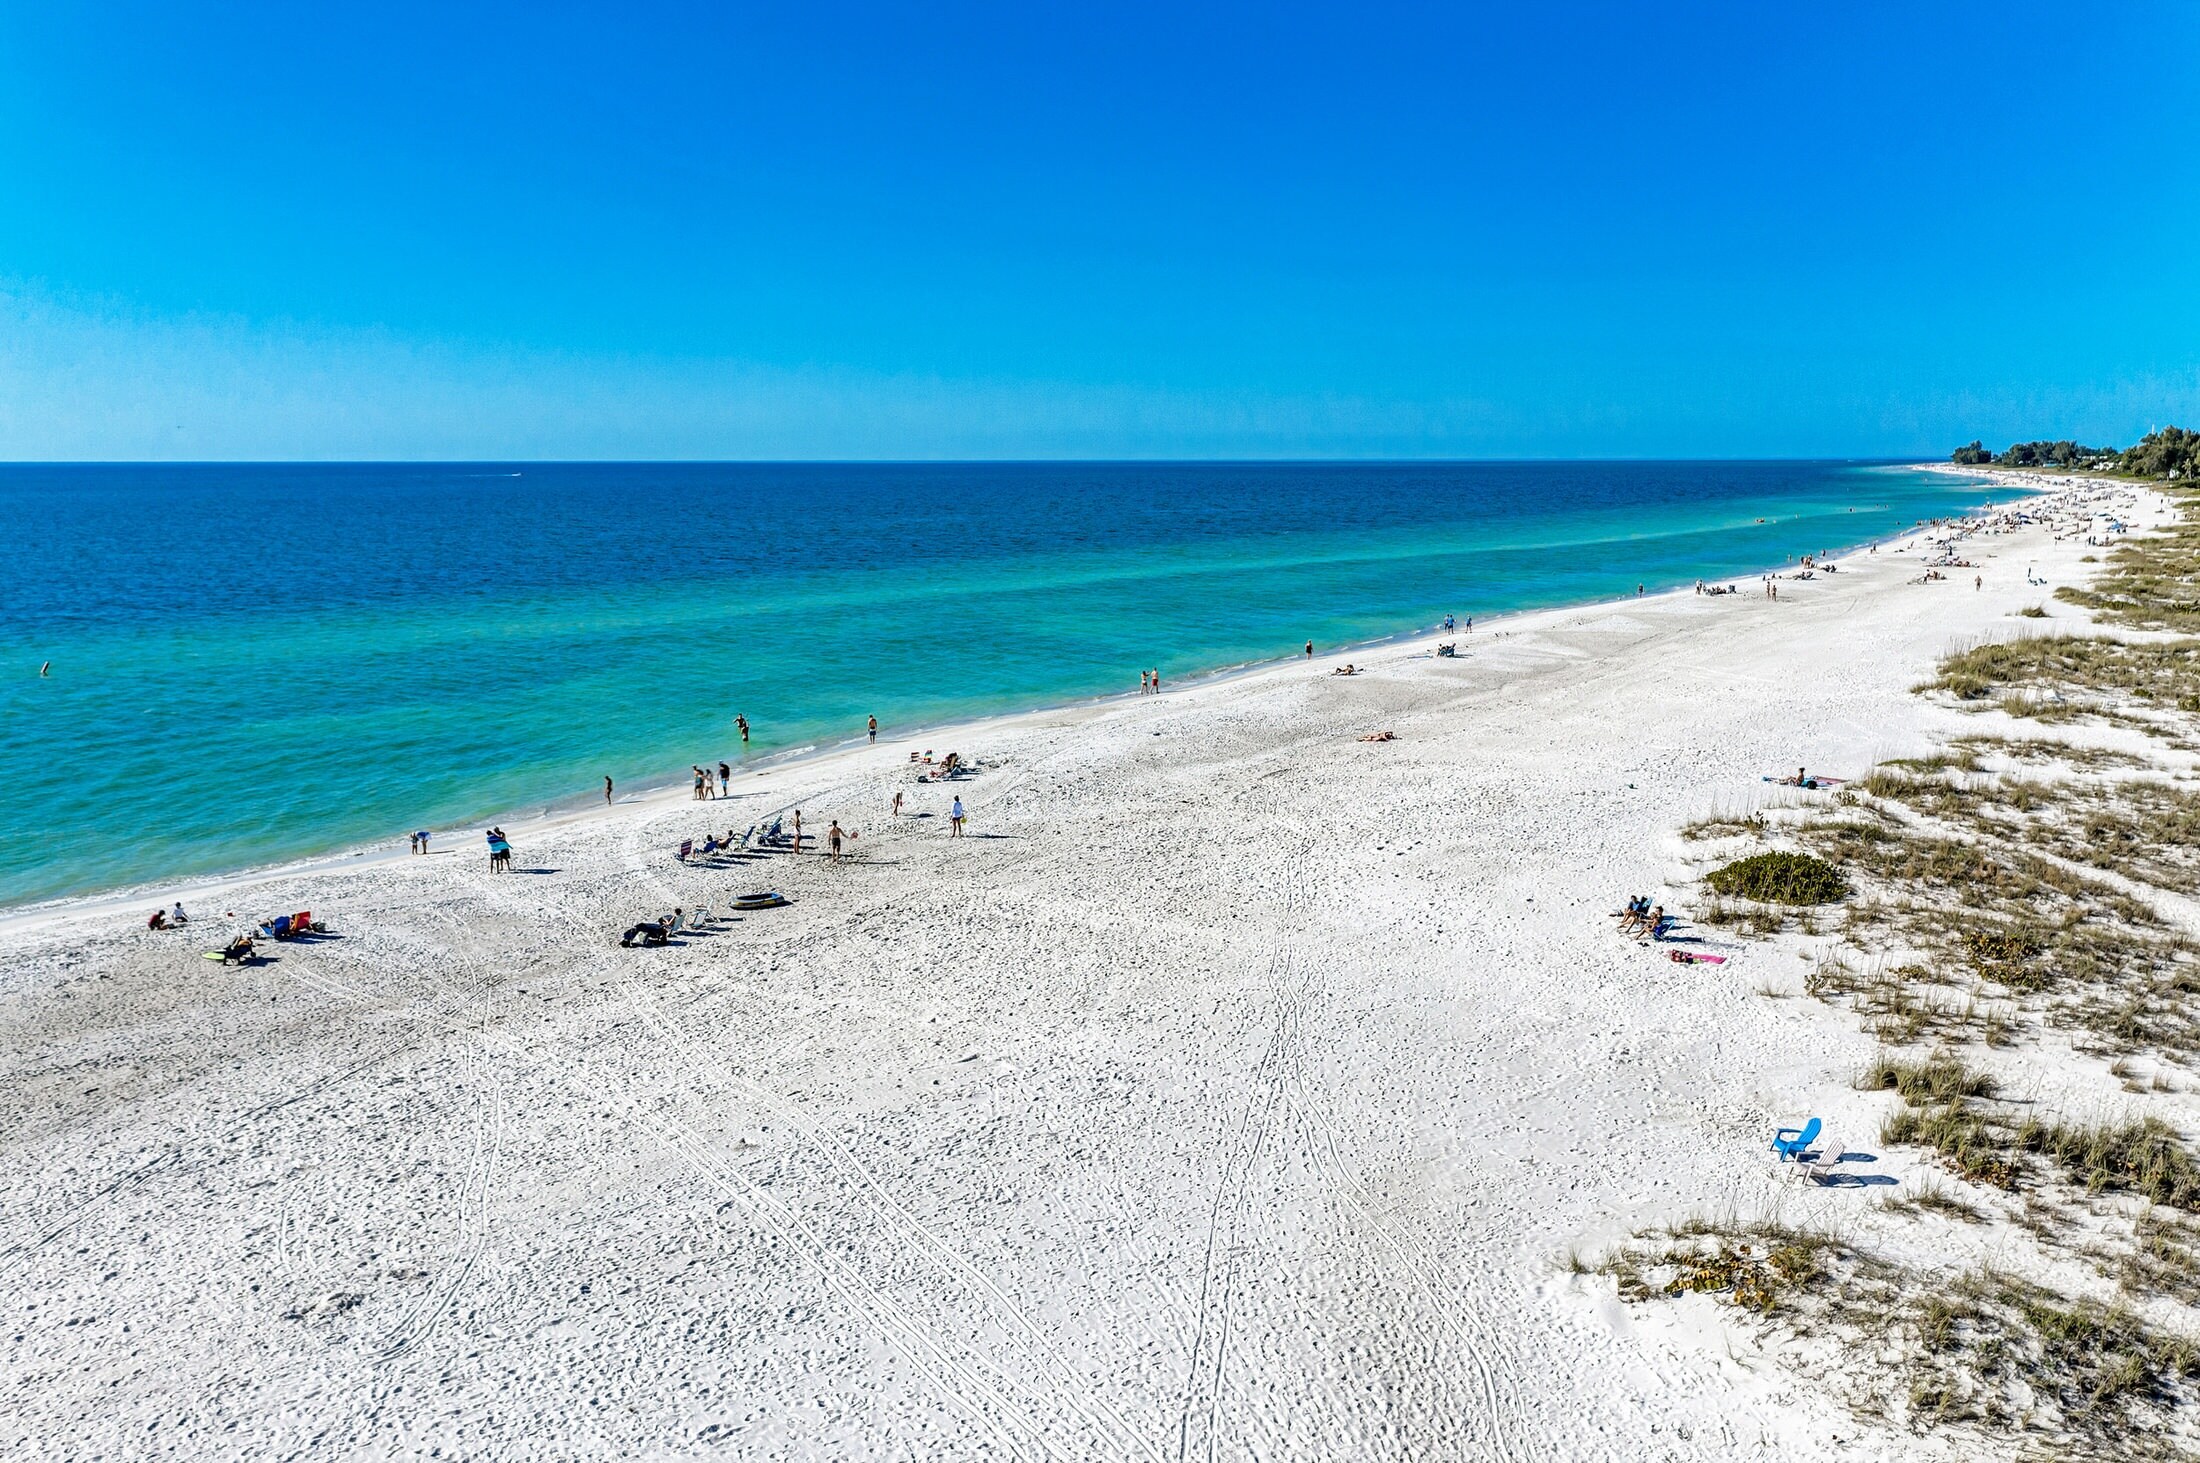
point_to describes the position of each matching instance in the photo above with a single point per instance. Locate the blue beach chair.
(1792, 1143)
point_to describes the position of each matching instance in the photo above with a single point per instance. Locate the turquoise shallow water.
(260, 662)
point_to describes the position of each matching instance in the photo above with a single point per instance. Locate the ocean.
(258, 662)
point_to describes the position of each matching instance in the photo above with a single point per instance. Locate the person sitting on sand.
(239, 950)
(648, 931)
(1653, 923)
(176, 916)
(159, 921)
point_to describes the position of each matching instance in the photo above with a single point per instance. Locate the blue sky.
(1023, 230)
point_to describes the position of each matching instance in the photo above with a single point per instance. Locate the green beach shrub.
(1780, 878)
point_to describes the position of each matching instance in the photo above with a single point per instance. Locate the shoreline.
(654, 794)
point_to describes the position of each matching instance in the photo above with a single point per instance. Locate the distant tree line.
(2172, 452)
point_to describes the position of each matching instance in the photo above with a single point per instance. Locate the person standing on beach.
(1978, 581)
(1157, 682)
(798, 830)
(607, 792)
(725, 779)
(897, 802)
(832, 841)
(955, 816)
(423, 836)
(1309, 650)
(874, 728)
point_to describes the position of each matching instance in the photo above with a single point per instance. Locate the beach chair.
(700, 920)
(687, 846)
(1820, 1163)
(277, 928)
(301, 923)
(1790, 1143)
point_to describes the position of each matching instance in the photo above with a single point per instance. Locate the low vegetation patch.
(1977, 1351)
(1725, 825)
(1780, 878)
(2144, 685)
(2144, 1157)
(1941, 1077)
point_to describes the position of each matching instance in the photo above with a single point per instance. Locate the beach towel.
(1690, 957)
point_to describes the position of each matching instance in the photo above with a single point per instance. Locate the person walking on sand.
(832, 841)
(607, 792)
(1978, 581)
(897, 802)
(872, 727)
(955, 816)
(725, 780)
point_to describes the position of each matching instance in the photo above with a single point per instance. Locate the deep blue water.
(254, 662)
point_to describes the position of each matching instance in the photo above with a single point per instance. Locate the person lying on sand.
(1346, 670)
(1381, 736)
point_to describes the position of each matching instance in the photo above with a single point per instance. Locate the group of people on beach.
(1149, 683)
(709, 783)
(168, 919)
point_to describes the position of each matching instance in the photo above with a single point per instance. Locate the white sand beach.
(1231, 1091)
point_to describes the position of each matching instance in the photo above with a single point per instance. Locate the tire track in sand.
(932, 1253)
(420, 1320)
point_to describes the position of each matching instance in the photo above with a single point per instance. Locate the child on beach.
(955, 817)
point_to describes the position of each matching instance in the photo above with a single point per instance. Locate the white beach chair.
(1823, 1160)
(700, 920)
